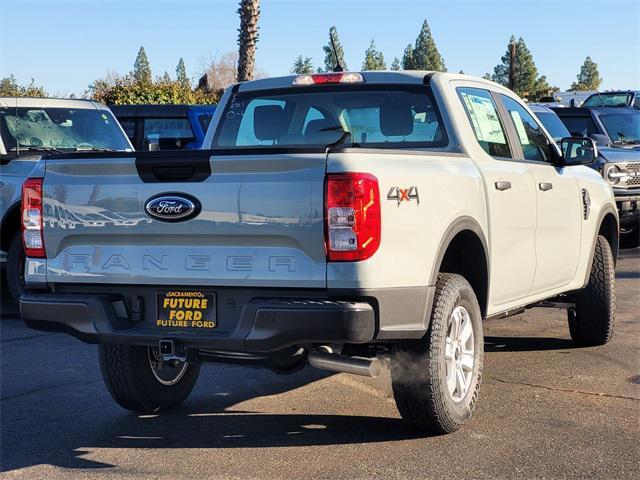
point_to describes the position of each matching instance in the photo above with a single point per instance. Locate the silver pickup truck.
(30, 127)
(339, 219)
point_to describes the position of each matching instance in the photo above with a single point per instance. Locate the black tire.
(419, 368)
(127, 373)
(15, 268)
(592, 321)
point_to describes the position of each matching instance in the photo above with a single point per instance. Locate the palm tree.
(249, 12)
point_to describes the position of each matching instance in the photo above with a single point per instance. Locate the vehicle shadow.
(207, 420)
(525, 344)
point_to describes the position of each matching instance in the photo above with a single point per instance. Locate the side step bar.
(368, 367)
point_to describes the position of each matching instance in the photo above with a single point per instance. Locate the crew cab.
(30, 127)
(617, 132)
(342, 220)
(165, 127)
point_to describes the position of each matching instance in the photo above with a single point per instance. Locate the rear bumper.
(262, 325)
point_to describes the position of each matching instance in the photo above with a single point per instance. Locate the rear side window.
(373, 116)
(534, 142)
(581, 126)
(486, 123)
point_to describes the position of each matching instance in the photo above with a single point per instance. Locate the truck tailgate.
(260, 223)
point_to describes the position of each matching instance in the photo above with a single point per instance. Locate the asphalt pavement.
(546, 410)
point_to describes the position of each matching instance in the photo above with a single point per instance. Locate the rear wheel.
(139, 380)
(592, 321)
(15, 268)
(436, 380)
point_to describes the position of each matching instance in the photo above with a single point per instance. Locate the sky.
(66, 44)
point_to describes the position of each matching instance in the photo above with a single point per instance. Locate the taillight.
(31, 214)
(352, 212)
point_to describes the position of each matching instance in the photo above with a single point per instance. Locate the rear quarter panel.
(449, 187)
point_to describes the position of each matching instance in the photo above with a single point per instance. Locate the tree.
(128, 90)
(249, 12)
(302, 65)
(373, 59)
(407, 58)
(395, 65)
(526, 81)
(166, 77)
(9, 87)
(426, 55)
(330, 60)
(461, 72)
(588, 78)
(181, 73)
(141, 68)
(487, 76)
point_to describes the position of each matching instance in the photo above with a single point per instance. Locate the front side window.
(534, 142)
(553, 125)
(486, 123)
(372, 116)
(60, 128)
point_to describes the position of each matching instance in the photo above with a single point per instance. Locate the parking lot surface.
(547, 410)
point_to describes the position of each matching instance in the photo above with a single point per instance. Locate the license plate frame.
(186, 310)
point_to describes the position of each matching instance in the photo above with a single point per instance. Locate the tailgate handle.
(173, 166)
(173, 174)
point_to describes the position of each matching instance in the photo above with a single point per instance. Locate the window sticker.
(522, 132)
(484, 118)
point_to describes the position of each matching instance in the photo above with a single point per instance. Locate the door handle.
(544, 186)
(503, 185)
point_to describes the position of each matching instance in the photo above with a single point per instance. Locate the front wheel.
(436, 380)
(591, 322)
(139, 380)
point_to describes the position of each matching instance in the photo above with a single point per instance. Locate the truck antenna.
(338, 67)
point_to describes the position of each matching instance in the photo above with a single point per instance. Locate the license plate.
(186, 309)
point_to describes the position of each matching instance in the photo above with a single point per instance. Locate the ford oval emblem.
(172, 207)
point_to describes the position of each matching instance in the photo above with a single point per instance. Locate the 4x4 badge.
(404, 194)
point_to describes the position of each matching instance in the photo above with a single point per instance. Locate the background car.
(619, 164)
(618, 98)
(30, 128)
(164, 127)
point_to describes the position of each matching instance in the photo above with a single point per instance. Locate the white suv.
(334, 219)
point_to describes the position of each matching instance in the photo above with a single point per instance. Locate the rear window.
(374, 116)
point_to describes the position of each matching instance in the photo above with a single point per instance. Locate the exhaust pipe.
(368, 367)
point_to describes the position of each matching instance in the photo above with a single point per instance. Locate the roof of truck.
(416, 77)
(46, 102)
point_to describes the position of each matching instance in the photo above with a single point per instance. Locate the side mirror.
(578, 150)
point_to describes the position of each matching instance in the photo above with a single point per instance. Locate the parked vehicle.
(618, 159)
(337, 219)
(164, 127)
(618, 98)
(608, 126)
(30, 127)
